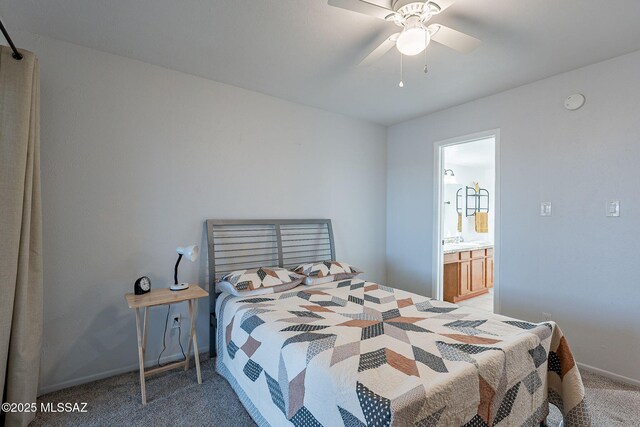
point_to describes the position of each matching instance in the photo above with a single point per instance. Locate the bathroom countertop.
(452, 248)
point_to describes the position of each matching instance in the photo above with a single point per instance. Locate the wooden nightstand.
(164, 297)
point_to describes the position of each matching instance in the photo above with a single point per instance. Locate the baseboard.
(609, 375)
(110, 373)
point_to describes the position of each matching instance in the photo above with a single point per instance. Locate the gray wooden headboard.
(244, 244)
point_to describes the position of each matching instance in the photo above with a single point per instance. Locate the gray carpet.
(175, 398)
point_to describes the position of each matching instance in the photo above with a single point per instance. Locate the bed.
(358, 353)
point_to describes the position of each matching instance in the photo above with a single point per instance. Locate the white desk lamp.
(191, 253)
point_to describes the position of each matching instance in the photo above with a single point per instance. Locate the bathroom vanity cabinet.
(467, 273)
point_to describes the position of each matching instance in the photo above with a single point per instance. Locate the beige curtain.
(20, 233)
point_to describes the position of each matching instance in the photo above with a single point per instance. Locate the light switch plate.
(545, 208)
(613, 208)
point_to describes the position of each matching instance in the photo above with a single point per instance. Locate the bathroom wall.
(466, 174)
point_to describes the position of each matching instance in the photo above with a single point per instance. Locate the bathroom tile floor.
(482, 302)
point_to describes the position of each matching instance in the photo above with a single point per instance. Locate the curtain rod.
(16, 55)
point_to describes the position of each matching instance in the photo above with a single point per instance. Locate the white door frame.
(438, 258)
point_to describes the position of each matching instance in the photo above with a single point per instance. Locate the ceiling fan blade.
(380, 50)
(442, 4)
(361, 6)
(454, 39)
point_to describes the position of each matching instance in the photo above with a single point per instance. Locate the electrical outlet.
(545, 209)
(175, 323)
(613, 208)
(547, 316)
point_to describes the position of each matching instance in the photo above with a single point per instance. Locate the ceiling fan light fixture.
(413, 39)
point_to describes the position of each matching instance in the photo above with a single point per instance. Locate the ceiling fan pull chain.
(401, 73)
(426, 69)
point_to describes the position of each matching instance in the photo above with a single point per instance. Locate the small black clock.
(142, 286)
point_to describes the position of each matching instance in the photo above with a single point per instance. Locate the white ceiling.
(306, 51)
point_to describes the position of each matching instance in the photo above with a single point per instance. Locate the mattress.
(357, 353)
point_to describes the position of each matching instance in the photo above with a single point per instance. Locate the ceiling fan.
(413, 17)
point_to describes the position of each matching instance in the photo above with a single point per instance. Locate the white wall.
(577, 265)
(135, 157)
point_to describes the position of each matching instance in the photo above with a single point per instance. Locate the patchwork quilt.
(357, 353)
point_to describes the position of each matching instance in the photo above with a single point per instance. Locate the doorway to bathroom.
(466, 248)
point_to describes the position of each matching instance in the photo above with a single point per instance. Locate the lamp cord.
(164, 339)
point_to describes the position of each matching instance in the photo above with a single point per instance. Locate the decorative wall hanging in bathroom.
(477, 200)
